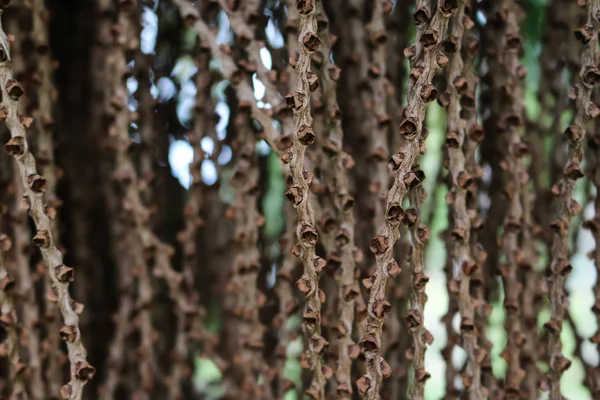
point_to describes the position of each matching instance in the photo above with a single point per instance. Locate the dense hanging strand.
(298, 194)
(342, 230)
(463, 261)
(44, 125)
(514, 180)
(9, 346)
(593, 225)
(589, 75)
(425, 60)
(35, 185)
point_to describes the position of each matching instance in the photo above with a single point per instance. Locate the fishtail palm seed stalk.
(131, 249)
(347, 23)
(246, 296)
(556, 59)
(317, 162)
(491, 150)
(380, 101)
(204, 124)
(593, 225)
(464, 264)
(35, 185)
(28, 303)
(425, 59)
(336, 179)
(474, 135)
(298, 194)
(379, 121)
(585, 110)
(284, 285)
(514, 180)
(247, 219)
(9, 347)
(397, 37)
(147, 367)
(44, 126)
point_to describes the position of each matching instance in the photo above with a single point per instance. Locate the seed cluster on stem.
(299, 196)
(463, 261)
(585, 110)
(340, 226)
(34, 186)
(426, 58)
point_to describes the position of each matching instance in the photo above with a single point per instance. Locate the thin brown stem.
(9, 347)
(463, 262)
(299, 196)
(425, 60)
(335, 177)
(34, 186)
(585, 110)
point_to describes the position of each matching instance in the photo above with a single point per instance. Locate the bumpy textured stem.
(284, 286)
(556, 58)
(35, 185)
(9, 347)
(336, 179)
(298, 194)
(593, 159)
(288, 305)
(563, 190)
(129, 250)
(27, 299)
(378, 122)
(474, 135)
(204, 125)
(247, 297)
(44, 125)
(425, 59)
(147, 130)
(514, 180)
(463, 262)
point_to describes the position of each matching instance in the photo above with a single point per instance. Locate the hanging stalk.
(288, 305)
(558, 58)
(463, 261)
(192, 331)
(378, 123)
(286, 274)
(398, 37)
(425, 59)
(593, 225)
(342, 233)
(44, 126)
(351, 55)
(247, 220)
(34, 186)
(9, 347)
(317, 161)
(147, 121)
(514, 180)
(585, 110)
(130, 250)
(246, 298)
(555, 60)
(474, 135)
(298, 194)
(27, 302)
(492, 151)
